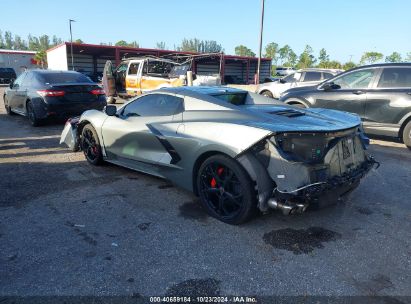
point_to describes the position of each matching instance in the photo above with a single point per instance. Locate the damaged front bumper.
(69, 135)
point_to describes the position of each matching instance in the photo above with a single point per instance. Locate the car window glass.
(18, 81)
(63, 77)
(327, 75)
(122, 68)
(355, 80)
(133, 68)
(395, 78)
(293, 77)
(312, 76)
(237, 99)
(27, 80)
(154, 105)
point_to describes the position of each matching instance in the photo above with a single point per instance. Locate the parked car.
(380, 94)
(238, 151)
(7, 75)
(300, 78)
(40, 94)
(284, 71)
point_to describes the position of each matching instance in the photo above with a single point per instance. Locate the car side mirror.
(282, 80)
(110, 110)
(11, 83)
(328, 86)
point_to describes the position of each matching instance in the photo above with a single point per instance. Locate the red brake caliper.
(213, 181)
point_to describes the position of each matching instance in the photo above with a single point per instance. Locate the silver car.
(238, 151)
(300, 78)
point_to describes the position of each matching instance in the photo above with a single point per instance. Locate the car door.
(109, 82)
(135, 136)
(133, 78)
(17, 94)
(389, 100)
(347, 92)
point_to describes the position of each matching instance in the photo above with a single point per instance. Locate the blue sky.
(342, 27)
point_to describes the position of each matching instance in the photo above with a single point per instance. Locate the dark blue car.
(42, 94)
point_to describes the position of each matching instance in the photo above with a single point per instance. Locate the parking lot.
(71, 229)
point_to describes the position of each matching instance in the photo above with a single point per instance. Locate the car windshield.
(51, 78)
(237, 99)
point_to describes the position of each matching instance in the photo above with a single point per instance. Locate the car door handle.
(359, 92)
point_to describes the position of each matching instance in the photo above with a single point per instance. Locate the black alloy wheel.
(91, 146)
(226, 190)
(31, 114)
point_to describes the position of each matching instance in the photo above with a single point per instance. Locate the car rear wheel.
(267, 94)
(226, 191)
(6, 105)
(406, 135)
(91, 145)
(35, 122)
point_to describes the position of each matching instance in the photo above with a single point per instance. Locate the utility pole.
(261, 42)
(71, 44)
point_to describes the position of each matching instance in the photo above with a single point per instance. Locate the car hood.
(292, 119)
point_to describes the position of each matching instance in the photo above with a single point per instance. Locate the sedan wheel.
(406, 135)
(91, 145)
(226, 190)
(267, 94)
(32, 115)
(6, 105)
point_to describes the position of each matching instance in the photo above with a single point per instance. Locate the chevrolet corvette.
(240, 152)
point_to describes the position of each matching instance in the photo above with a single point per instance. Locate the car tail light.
(50, 93)
(97, 92)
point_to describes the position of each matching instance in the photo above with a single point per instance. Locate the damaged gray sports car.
(238, 151)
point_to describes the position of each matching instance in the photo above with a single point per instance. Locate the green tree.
(121, 43)
(271, 51)
(324, 59)
(161, 45)
(371, 57)
(349, 65)
(34, 44)
(1, 40)
(200, 46)
(242, 50)
(283, 53)
(44, 41)
(306, 59)
(78, 41)
(8, 40)
(292, 59)
(394, 57)
(56, 41)
(19, 44)
(41, 58)
(408, 57)
(334, 64)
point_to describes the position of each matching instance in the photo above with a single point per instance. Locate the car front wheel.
(91, 145)
(226, 191)
(6, 105)
(406, 135)
(267, 94)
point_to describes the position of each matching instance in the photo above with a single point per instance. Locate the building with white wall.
(18, 60)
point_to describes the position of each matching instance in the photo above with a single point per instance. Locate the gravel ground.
(70, 229)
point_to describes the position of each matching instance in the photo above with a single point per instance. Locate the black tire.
(406, 135)
(226, 191)
(31, 115)
(6, 106)
(91, 145)
(267, 94)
